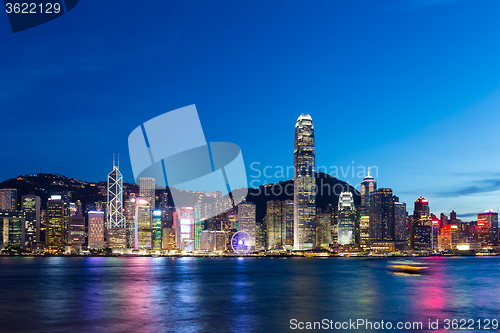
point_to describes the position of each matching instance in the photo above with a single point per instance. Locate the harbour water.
(145, 294)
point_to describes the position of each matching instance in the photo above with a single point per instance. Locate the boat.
(408, 266)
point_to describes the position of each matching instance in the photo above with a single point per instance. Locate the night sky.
(411, 87)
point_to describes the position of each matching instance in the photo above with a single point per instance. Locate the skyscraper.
(96, 229)
(421, 233)
(129, 206)
(287, 222)
(156, 230)
(487, 228)
(116, 219)
(246, 219)
(147, 191)
(142, 225)
(304, 184)
(368, 186)
(382, 215)
(184, 225)
(76, 232)
(31, 210)
(400, 219)
(56, 230)
(347, 219)
(8, 199)
(323, 230)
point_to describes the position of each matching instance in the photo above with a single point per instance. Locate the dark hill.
(329, 189)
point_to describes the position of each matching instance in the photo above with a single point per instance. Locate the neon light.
(55, 197)
(454, 227)
(95, 212)
(157, 212)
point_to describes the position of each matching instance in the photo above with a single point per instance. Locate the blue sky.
(412, 87)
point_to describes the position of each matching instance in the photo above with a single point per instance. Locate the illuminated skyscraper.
(96, 229)
(304, 189)
(184, 225)
(364, 231)
(129, 206)
(449, 237)
(8, 199)
(116, 222)
(31, 210)
(347, 219)
(147, 191)
(116, 219)
(246, 219)
(156, 230)
(76, 232)
(487, 228)
(400, 219)
(421, 232)
(368, 186)
(56, 229)
(197, 226)
(323, 230)
(142, 225)
(382, 215)
(274, 223)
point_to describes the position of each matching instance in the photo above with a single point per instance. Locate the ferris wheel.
(241, 242)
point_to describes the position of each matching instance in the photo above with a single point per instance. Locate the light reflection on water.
(143, 294)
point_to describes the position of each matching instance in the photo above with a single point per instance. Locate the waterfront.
(118, 294)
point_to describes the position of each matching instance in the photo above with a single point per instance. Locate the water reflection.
(143, 294)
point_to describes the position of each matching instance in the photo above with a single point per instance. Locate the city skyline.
(427, 93)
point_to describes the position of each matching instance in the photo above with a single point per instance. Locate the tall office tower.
(287, 222)
(323, 230)
(116, 219)
(129, 212)
(76, 232)
(382, 215)
(304, 184)
(421, 233)
(167, 211)
(8, 199)
(449, 237)
(57, 211)
(347, 219)
(168, 239)
(147, 191)
(184, 225)
(96, 229)
(12, 234)
(274, 225)
(400, 219)
(421, 213)
(142, 236)
(156, 231)
(260, 236)
(197, 226)
(31, 228)
(246, 219)
(364, 231)
(487, 228)
(368, 186)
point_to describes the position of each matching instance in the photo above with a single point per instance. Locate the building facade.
(347, 219)
(304, 181)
